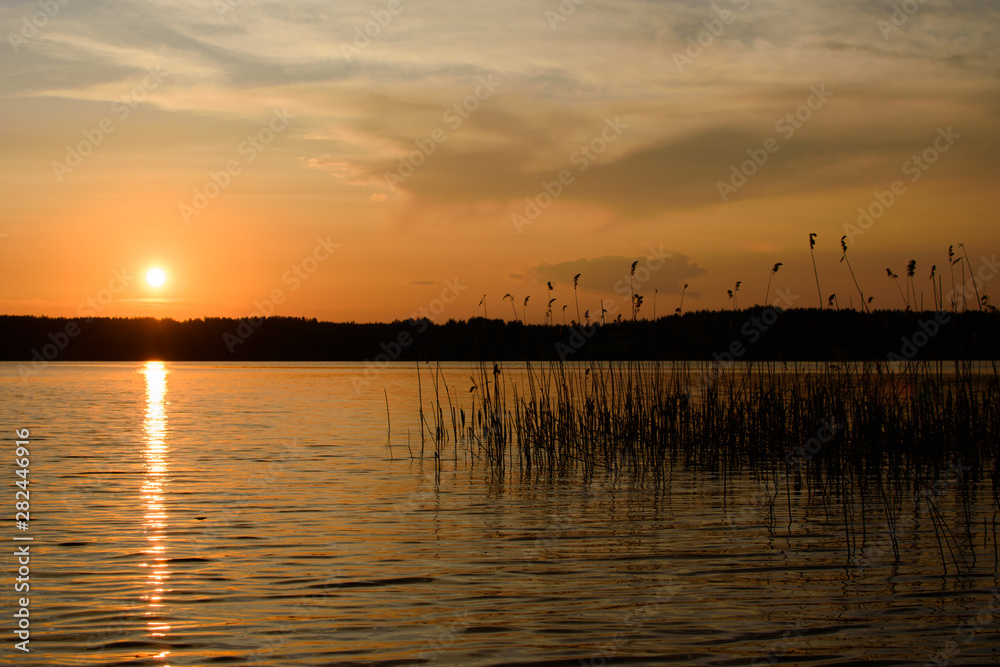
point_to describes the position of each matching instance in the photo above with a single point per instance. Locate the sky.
(367, 161)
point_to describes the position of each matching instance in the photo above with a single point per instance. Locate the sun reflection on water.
(155, 518)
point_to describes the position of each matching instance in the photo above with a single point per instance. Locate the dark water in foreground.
(192, 514)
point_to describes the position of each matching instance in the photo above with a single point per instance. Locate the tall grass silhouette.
(680, 308)
(889, 430)
(843, 258)
(975, 284)
(774, 270)
(576, 282)
(512, 309)
(911, 269)
(895, 279)
(812, 253)
(631, 274)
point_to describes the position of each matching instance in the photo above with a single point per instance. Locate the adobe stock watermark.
(810, 448)
(434, 646)
(581, 158)
(566, 9)
(234, 499)
(638, 617)
(419, 321)
(786, 127)
(705, 38)
(976, 284)
(757, 326)
(121, 109)
(915, 168)
(454, 117)
(967, 630)
(630, 280)
(912, 344)
(89, 308)
(247, 151)
(899, 17)
(48, 9)
(888, 538)
(929, 328)
(294, 277)
(555, 529)
(277, 636)
(777, 649)
(364, 33)
(762, 498)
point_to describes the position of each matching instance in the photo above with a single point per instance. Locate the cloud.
(357, 118)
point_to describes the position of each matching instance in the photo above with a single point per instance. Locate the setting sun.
(156, 277)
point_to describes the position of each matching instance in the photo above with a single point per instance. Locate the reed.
(843, 258)
(576, 282)
(774, 270)
(893, 277)
(631, 274)
(952, 262)
(680, 308)
(975, 284)
(933, 289)
(548, 313)
(512, 309)
(842, 433)
(812, 252)
(757, 410)
(911, 270)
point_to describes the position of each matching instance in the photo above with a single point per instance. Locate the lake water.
(223, 514)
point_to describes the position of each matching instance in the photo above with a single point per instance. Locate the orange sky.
(235, 144)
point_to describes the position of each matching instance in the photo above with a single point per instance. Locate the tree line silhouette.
(753, 334)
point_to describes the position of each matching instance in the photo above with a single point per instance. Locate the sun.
(156, 277)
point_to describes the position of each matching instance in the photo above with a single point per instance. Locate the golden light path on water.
(155, 520)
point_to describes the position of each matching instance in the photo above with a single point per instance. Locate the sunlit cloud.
(364, 102)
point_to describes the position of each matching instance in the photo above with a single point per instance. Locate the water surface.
(202, 514)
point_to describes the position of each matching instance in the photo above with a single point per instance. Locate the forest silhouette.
(734, 335)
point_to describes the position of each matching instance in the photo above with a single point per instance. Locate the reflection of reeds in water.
(852, 432)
